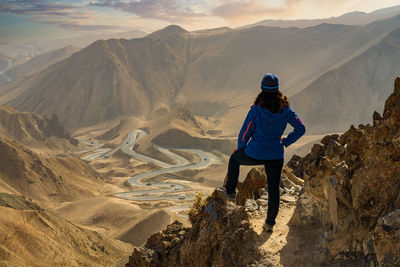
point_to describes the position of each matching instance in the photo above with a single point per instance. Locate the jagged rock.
(262, 191)
(249, 188)
(220, 236)
(262, 202)
(291, 177)
(387, 239)
(251, 205)
(349, 183)
(285, 182)
(288, 199)
(183, 113)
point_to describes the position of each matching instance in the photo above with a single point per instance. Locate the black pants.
(273, 168)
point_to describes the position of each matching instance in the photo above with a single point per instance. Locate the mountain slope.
(33, 130)
(48, 180)
(40, 62)
(104, 81)
(32, 236)
(349, 93)
(211, 71)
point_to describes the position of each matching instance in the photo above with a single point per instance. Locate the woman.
(260, 142)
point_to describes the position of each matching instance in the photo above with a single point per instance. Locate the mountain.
(34, 131)
(103, 81)
(348, 94)
(40, 62)
(32, 236)
(45, 179)
(28, 50)
(351, 18)
(213, 72)
(85, 40)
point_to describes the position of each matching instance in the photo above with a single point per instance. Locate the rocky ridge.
(351, 190)
(220, 236)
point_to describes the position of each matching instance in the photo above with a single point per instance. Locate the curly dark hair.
(274, 101)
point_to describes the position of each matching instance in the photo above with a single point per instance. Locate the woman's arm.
(247, 129)
(298, 131)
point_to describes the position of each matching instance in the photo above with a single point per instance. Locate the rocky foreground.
(347, 213)
(351, 190)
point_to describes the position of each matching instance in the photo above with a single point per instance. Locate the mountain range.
(40, 62)
(215, 72)
(351, 18)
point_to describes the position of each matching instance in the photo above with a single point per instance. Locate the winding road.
(159, 191)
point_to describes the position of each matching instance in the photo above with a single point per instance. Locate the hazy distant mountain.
(40, 62)
(350, 93)
(83, 41)
(34, 48)
(352, 18)
(210, 71)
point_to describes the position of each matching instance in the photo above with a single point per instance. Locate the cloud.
(66, 15)
(22, 7)
(89, 28)
(239, 10)
(168, 10)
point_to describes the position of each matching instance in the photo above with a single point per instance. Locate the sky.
(44, 19)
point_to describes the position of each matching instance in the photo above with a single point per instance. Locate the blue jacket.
(262, 129)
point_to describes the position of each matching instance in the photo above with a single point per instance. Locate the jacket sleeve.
(247, 129)
(298, 131)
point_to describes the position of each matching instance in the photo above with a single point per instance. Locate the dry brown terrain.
(47, 180)
(31, 236)
(35, 131)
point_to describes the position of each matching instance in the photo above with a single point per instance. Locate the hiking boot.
(268, 228)
(230, 197)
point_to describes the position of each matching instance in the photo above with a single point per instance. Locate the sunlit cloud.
(168, 10)
(240, 10)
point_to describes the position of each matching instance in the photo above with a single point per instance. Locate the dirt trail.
(272, 243)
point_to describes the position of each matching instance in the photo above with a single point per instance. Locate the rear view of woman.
(260, 142)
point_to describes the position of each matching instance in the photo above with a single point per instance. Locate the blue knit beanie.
(270, 83)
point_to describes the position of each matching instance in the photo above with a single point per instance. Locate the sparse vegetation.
(197, 208)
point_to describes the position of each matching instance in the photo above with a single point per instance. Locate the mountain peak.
(171, 29)
(174, 29)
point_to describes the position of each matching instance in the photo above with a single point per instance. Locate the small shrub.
(197, 208)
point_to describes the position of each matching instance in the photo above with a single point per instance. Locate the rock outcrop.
(351, 190)
(220, 236)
